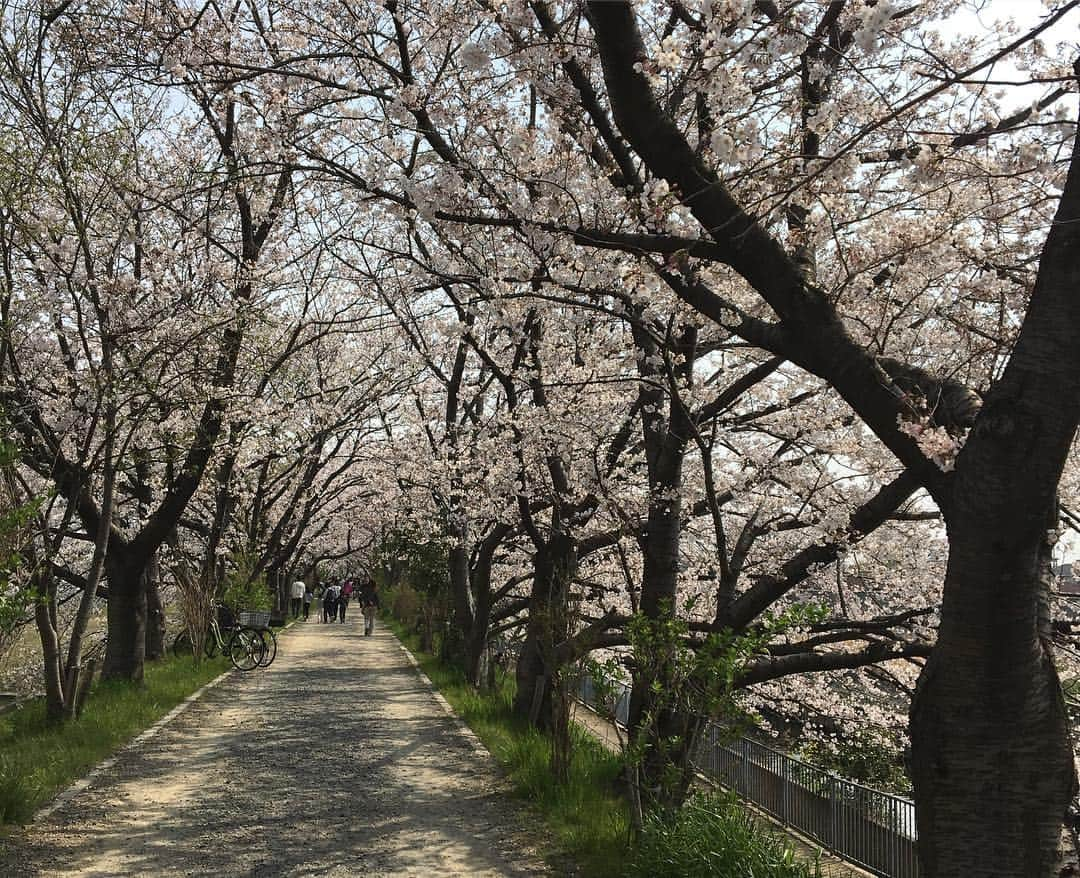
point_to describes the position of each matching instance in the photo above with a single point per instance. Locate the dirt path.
(336, 761)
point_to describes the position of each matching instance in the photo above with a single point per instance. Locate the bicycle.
(245, 645)
(259, 622)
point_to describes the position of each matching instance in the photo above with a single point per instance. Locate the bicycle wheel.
(211, 645)
(182, 645)
(245, 649)
(269, 640)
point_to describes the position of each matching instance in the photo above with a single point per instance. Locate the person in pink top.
(343, 599)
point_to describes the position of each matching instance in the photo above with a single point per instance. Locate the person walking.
(297, 595)
(369, 601)
(343, 598)
(309, 596)
(329, 603)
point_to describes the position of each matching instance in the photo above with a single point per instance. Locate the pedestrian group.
(335, 599)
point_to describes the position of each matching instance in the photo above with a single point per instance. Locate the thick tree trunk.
(126, 650)
(476, 644)
(666, 738)
(553, 571)
(990, 735)
(480, 585)
(532, 696)
(477, 603)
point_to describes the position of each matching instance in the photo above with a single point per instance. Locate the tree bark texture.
(476, 642)
(461, 593)
(665, 441)
(659, 592)
(126, 650)
(992, 760)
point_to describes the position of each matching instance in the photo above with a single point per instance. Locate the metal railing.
(867, 827)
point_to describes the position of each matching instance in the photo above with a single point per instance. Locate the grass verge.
(586, 817)
(712, 835)
(38, 760)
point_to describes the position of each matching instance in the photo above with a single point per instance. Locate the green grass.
(586, 818)
(712, 836)
(37, 760)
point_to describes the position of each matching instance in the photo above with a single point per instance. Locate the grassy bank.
(586, 817)
(711, 836)
(37, 760)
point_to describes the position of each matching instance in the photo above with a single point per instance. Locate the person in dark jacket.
(329, 603)
(369, 602)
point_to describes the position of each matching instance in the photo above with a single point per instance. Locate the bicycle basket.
(254, 618)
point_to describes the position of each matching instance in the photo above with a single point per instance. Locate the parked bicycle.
(247, 639)
(259, 622)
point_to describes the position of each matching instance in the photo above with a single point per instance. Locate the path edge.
(147, 734)
(463, 728)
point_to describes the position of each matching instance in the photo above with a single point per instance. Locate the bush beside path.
(336, 761)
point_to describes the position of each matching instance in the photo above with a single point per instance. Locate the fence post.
(834, 828)
(785, 788)
(744, 746)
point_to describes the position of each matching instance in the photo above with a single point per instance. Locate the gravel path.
(335, 761)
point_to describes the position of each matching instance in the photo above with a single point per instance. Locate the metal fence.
(867, 827)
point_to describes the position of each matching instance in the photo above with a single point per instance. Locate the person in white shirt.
(296, 593)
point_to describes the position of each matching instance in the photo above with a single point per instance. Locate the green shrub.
(712, 836)
(869, 756)
(17, 792)
(246, 593)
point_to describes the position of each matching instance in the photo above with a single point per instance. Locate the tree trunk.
(475, 647)
(126, 650)
(561, 751)
(669, 740)
(478, 602)
(460, 589)
(477, 642)
(155, 612)
(54, 675)
(989, 731)
(553, 571)
(279, 583)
